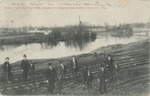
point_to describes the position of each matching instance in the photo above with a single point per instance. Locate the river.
(45, 50)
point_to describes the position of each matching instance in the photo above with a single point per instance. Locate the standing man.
(84, 73)
(51, 76)
(74, 67)
(101, 79)
(25, 67)
(61, 77)
(7, 70)
(89, 80)
(117, 72)
(62, 70)
(110, 66)
(60, 81)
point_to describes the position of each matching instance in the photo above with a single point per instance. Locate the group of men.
(58, 77)
(26, 66)
(105, 72)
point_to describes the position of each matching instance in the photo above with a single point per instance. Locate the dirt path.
(137, 87)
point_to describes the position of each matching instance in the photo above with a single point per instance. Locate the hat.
(73, 56)
(49, 64)
(7, 58)
(95, 54)
(108, 54)
(24, 55)
(60, 61)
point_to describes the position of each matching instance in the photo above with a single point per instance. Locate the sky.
(115, 12)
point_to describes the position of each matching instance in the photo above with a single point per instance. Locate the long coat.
(84, 73)
(89, 77)
(7, 67)
(89, 80)
(7, 71)
(74, 65)
(102, 78)
(25, 65)
(51, 75)
(62, 71)
(110, 63)
(102, 74)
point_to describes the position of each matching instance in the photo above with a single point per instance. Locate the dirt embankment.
(133, 80)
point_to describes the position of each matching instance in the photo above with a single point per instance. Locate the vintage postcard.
(74, 47)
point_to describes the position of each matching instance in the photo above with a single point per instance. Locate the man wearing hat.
(74, 67)
(62, 70)
(7, 70)
(25, 67)
(109, 65)
(84, 73)
(89, 79)
(102, 79)
(61, 77)
(51, 76)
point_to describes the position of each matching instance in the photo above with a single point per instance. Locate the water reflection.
(53, 43)
(122, 35)
(60, 49)
(79, 44)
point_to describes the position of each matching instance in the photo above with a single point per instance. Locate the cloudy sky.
(119, 11)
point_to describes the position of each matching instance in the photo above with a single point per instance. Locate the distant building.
(141, 31)
(36, 31)
(96, 29)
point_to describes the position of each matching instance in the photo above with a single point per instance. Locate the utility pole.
(79, 18)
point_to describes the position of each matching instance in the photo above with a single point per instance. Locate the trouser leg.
(51, 88)
(104, 86)
(60, 86)
(6, 77)
(25, 75)
(89, 85)
(100, 87)
(9, 76)
(84, 79)
(74, 76)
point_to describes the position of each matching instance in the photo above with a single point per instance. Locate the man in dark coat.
(101, 79)
(7, 70)
(51, 77)
(62, 70)
(89, 80)
(61, 77)
(110, 65)
(25, 67)
(60, 81)
(74, 67)
(84, 73)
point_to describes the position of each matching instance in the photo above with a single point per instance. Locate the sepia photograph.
(75, 47)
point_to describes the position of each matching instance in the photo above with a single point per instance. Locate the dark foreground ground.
(133, 80)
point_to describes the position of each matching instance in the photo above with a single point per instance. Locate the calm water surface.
(45, 50)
